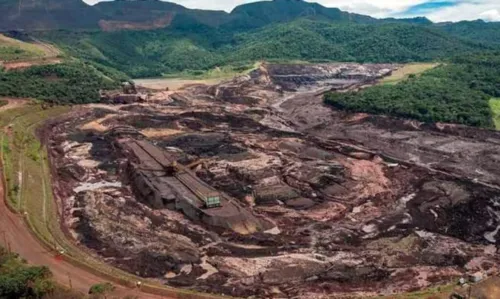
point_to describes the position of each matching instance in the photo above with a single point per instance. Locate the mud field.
(360, 204)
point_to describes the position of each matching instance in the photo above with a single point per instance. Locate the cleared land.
(210, 77)
(13, 50)
(407, 70)
(495, 109)
(172, 83)
(16, 54)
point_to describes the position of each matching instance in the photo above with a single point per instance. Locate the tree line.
(457, 92)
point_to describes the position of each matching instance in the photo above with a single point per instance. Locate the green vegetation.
(223, 72)
(70, 82)
(197, 40)
(13, 49)
(457, 93)
(487, 33)
(18, 280)
(410, 69)
(495, 110)
(101, 288)
(194, 47)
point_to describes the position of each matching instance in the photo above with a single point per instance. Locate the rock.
(456, 296)
(300, 203)
(72, 171)
(476, 277)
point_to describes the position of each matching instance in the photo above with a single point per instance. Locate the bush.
(18, 280)
(101, 288)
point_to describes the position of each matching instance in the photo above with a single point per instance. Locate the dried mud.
(363, 205)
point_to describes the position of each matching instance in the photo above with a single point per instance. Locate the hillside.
(66, 83)
(47, 15)
(13, 49)
(459, 92)
(194, 46)
(42, 15)
(151, 37)
(479, 31)
(149, 14)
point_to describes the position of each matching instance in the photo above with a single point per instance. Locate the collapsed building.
(163, 183)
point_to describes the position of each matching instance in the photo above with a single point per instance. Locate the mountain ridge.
(41, 15)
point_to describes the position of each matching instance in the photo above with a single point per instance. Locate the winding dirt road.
(15, 236)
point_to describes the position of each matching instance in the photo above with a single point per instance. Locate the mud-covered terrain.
(362, 204)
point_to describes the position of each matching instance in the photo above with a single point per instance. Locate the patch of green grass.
(223, 72)
(28, 187)
(406, 71)
(12, 50)
(495, 110)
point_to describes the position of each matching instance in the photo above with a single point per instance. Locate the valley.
(353, 205)
(282, 149)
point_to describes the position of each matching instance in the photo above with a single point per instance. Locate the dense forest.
(194, 46)
(458, 92)
(195, 41)
(17, 280)
(71, 82)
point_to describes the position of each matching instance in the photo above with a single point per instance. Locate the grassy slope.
(407, 70)
(12, 50)
(495, 110)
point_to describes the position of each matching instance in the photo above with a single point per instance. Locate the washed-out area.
(252, 187)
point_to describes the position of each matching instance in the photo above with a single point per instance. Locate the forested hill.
(152, 37)
(35, 15)
(200, 47)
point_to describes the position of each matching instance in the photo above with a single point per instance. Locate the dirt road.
(14, 232)
(15, 235)
(12, 103)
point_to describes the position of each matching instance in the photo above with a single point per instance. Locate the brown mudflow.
(360, 204)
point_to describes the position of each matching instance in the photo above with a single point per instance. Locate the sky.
(435, 10)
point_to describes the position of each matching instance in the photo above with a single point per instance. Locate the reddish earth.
(16, 236)
(21, 241)
(29, 63)
(364, 205)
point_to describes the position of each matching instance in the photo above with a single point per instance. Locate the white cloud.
(491, 15)
(488, 10)
(375, 8)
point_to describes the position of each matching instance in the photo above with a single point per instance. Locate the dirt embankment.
(18, 238)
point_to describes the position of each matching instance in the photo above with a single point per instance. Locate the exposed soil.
(16, 65)
(362, 204)
(160, 22)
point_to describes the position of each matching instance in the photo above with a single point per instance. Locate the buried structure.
(163, 183)
(252, 187)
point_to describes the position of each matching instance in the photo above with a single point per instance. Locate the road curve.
(15, 235)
